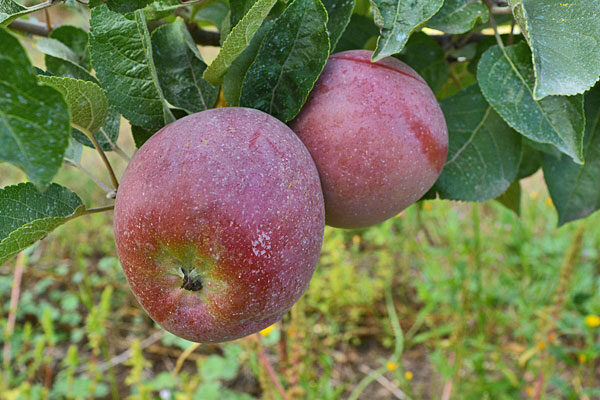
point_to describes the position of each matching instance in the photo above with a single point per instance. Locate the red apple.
(377, 135)
(218, 223)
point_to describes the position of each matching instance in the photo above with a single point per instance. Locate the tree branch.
(27, 26)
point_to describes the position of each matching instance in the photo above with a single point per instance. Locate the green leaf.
(239, 8)
(397, 19)
(87, 102)
(511, 199)
(339, 13)
(574, 188)
(27, 215)
(122, 57)
(11, 10)
(565, 39)
(426, 57)
(289, 61)
(75, 39)
(459, 16)
(234, 79)
(62, 60)
(107, 135)
(126, 6)
(179, 67)
(35, 123)
(357, 33)
(237, 40)
(507, 83)
(73, 151)
(531, 161)
(161, 8)
(140, 135)
(484, 153)
(215, 14)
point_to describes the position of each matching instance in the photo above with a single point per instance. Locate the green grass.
(491, 306)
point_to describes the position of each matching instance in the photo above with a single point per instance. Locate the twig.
(89, 174)
(98, 209)
(27, 26)
(447, 391)
(495, 28)
(500, 10)
(111, 172)
(385, 382)
(115, 147)
(181, 359)
(14, 303)
(262, 356)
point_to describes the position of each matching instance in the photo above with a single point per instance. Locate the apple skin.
(377, 135)
(219, 223)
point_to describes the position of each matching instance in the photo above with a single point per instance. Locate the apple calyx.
(192, 280)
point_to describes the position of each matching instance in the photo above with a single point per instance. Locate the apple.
(219, 222)
(377, 135)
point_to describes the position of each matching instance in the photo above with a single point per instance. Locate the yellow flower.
(400, 214)
(267, 331)
(541, 346)
(549, 201)
(582, 358)
(593, 321)
(533, 195)
(356, 239)
(427, 207)
(391, 366)
(408, 375)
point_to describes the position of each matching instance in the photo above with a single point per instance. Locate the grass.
(447, 300)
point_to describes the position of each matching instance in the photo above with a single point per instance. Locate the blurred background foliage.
(490, 306)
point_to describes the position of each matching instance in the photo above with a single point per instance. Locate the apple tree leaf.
(484, 153)
(511, 199)
(27, 215)
(239, 8)
(11, 10)
(426, 57)
(574, 188)
(87, 102)
(234, 78)
(507, 80)
(359, 30)
(126, 6)
(339, 13)
(397, 19)
(122, 57)
(35, 123)
(179, 67)
(76, 39)
(565, 42)
(61, 60)
(237, 40)
(289, 61)
(459, 16)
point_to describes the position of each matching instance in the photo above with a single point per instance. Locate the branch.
(28, 26)
(201, 36)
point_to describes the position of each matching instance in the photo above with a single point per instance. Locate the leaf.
(62, 60)
(339, 13)
(179, 67)
(35, 123)
(76, 40)
(126, 6)
(87, 102)
(140, 135)
(531, 161)
(237, 40)
(239, 8)
(484, 153)
(574, 188)
(11, 10)
(289, 61)
(27, 215)
(107, 135)
(73, 151)
(234, 78)
(426, 57)
(511, 199)
(357, 33)
(397, 19)
(122, 57)
(459, 16)
(507, 84)
(216, 14)
(565, 40)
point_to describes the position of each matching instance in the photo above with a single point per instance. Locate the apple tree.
(516, 81)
